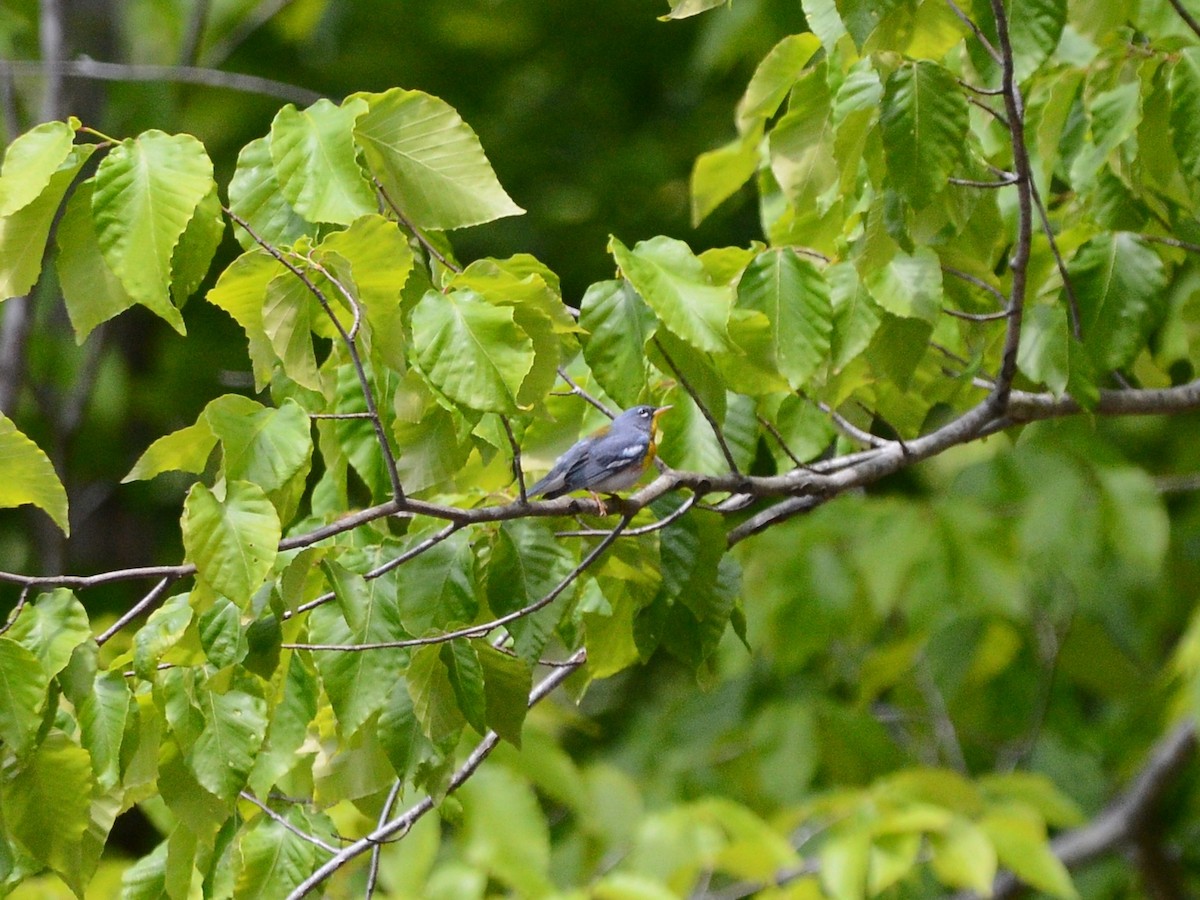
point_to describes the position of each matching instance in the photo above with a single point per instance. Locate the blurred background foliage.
(1036, 590)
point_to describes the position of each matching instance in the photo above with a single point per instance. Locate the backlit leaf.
(29, 476)
(233, 539)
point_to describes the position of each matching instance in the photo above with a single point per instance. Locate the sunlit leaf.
(29, 476)
(231, 539)
(924, 123)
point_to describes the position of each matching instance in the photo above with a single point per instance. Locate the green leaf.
(675, 285)
(1119, 282)
(357, 683)
(146, 879)
(147, 191)
(232, 540)
(432, 694)
(507, 681)
(93, 294)
(31, 161)
(527, 562)
(47, 801)
(52, 627)
(429, 161)
(262, 445)
(240, 291)
(314, 156)
(1185, 110)
(531, 291)
(1044, 352)
(380, 261)
(24, 232)
(619, 324)
(1114, 118)
(824, 21)
(29, 476)
(719, 174)
(794, 297)
(924, 123)
(223, 754)
(185, 450)
(256, 196)
(102, 721)
(221, 634)
(684, 9)
(196, 248)
(1021, 845)
(963, 857)
(436, 590)
(399, 730)
(1035, 789)
(802, 146)
(504, 831)
(909, 286)
(272, 860)
(23, 685)
(779, 70)
(293, 711)
(1035, 27)
(161, 632)
(470, 350)
(290, 312)
(466, 680)
(855, 318)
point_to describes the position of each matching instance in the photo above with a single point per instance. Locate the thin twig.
(636, 532)
(1187, 17)
(516, 459)
(189, 51)
(414, 230)
(107, 71)
(847, 427)
(353, 415)
(136, 610)
(975, 317)
(1172, 242)
(410, 553)
(483, 628)
(404, 822)
(774, 432)
(943, 725)
(271, 814)
(978, 282)
(385, 446)
(580, 392)
(704, 411)
(16, 610)
(984, 92)
(971, 182)
(377, 848)
(51, 30)
(979, 35)
(220, 50)
(1068, 287)
(979, 104)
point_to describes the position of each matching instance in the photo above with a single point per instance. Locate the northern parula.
(609, 461)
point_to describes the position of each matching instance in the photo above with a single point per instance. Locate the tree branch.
(108, 71)
(402, 823)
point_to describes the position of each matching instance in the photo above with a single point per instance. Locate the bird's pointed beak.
(659, 411)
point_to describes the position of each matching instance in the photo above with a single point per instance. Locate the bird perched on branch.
(610, 460)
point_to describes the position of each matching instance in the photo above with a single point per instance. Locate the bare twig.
(976, 317)
(636, 532)
(410, 553)
(1068, 287)
(377, 849)
(1172, 242)
(516, 459)
(107, 71)
(154, 595)
(404, 822)
(971, 182)
(979, 35)
(580, 392)
(774, 432)
(16, 610)
(943, 725)
(385, 446)
(483, 628)
(1187, 17)
(978, 282)
(271, 814)
(416, 232)
(704, 410)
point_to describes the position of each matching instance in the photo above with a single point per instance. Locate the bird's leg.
(599, 503)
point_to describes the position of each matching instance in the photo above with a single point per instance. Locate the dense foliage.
(975, 266)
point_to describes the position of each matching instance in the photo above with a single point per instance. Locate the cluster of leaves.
(244, 717)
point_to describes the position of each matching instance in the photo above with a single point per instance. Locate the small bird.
(610, 460)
